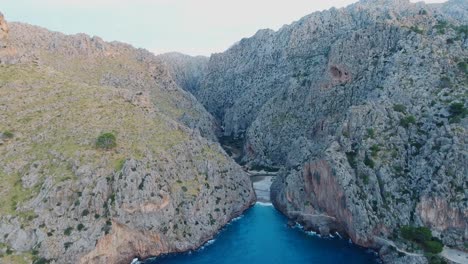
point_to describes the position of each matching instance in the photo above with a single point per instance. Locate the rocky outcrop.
(365, 109)
(162, 187)
(3, 29)
(7, 53)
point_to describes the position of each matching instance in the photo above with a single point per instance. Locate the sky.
(194, 27)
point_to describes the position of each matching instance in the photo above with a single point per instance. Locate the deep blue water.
(261, 235)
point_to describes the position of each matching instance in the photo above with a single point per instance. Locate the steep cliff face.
(364, 108)
(188, 71)
(162, 188)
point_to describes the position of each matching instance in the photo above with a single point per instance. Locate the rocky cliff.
(94, 61)
(364, 109)
(155, 182)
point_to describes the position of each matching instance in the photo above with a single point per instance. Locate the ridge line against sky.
(194, 27)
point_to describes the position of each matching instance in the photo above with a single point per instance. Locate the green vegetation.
(119, 165)
(399, 108)
(68, 231)
(369, 162)
(80, 227)
(370, 133)
(435, 259)
(365, 178)
(374, 150)
(352, 159)
(407, 121)
(463, 66)
(8, 134)
(441, 26)
(457, 112)
(423, 237)
(461, 30)
(106, 141)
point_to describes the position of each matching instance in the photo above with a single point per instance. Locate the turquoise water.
(262, 236)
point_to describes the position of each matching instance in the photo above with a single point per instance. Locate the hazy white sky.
(195, 27)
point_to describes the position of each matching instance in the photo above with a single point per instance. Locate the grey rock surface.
(357, 105)
(167, 186)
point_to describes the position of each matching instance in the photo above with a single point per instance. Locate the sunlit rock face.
(359, 107)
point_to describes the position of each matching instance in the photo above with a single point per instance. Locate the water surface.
(262, 236)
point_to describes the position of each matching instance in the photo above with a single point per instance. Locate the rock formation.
(364, 109)
(164, 186)
(6, 52)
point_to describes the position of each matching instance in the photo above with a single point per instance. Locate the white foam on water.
(264, 204)
(208, 243)
(135, 261)
(312, 233)
(237, 218)
(338, 235)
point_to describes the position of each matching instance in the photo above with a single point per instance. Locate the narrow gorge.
(350, 121)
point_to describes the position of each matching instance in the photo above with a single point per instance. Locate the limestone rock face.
(357, 105)
(167, 185)
(188, 71)
(3, 28)
(7, 53)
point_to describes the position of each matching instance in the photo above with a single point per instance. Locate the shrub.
(434, 259)
(423, 236)
(399, 108)
(85, 212)
(417, 234)
(463, 29)
(374, 150)
(457, 109)
(365, 178)
(369, 162)
(457, 112)
(370, 132)
(352, 159)
(184, 189)
(106, 141)
(407, 121)
(80, 227)
(463, 66)
(433, 246)
(68, 231)
(440, 27)
(8, 134)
